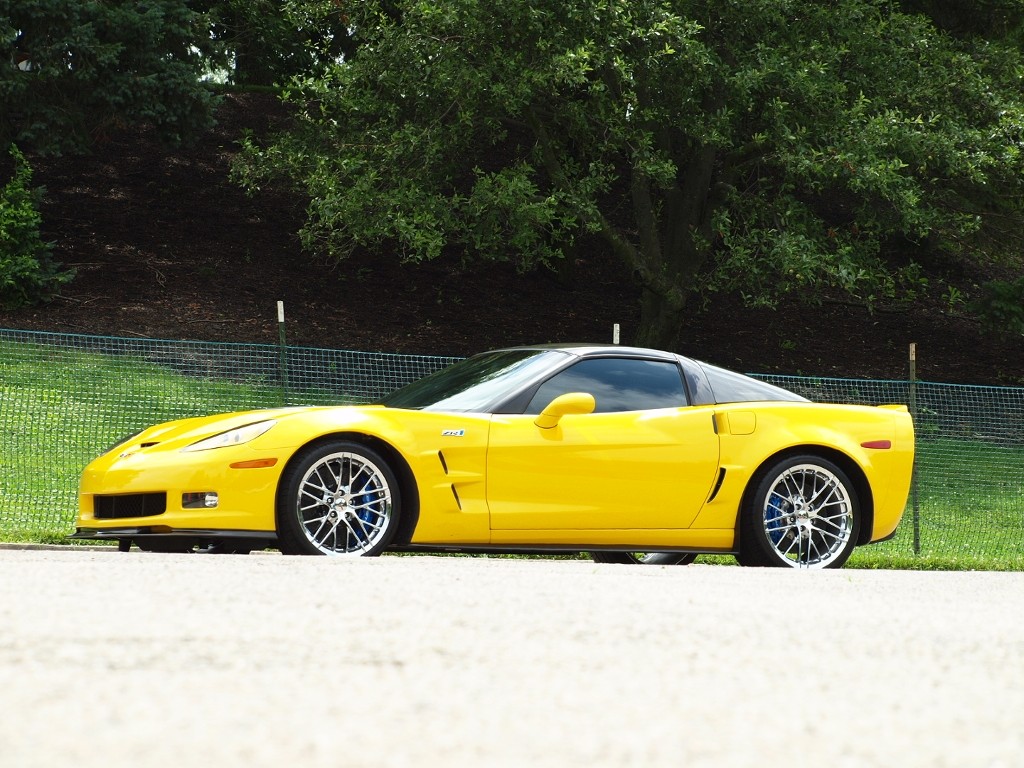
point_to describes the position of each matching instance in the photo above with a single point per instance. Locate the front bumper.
(156, 494)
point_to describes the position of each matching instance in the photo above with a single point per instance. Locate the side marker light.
(882, 445)
(254, 464)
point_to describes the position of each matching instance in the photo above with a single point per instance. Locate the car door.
(621, 467)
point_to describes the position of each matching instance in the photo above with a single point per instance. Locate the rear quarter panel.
(753, 435)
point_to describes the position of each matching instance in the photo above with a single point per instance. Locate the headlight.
(232, 437)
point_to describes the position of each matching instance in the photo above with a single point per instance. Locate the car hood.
(184, 432)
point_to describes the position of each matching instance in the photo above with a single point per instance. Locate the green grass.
(865, 558)
(59, 408)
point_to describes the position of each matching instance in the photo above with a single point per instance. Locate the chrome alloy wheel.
(808, 516)
(344, 504)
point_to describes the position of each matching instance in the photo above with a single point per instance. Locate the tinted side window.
(617, 385)
(731, 387)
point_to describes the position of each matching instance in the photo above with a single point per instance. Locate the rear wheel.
(804, 513)
(338, 498)
(644, 558)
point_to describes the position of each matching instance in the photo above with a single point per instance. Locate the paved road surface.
(113, 659)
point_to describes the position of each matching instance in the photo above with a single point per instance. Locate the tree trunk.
(673, 246)
(672, 234)
(661, 321)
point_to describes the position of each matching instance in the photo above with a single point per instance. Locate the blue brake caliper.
(366, 514)
(773, 518)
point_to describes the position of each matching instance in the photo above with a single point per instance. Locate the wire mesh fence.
(64, 398)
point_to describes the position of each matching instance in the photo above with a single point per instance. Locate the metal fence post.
(913, 475)
(282, 356)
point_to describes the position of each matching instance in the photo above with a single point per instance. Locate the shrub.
(1001, 307)
(28, 274)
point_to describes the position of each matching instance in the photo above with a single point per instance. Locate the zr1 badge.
(453, 433)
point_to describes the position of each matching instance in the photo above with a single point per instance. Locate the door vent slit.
(458, 501)
(718, 485)
(444, 464)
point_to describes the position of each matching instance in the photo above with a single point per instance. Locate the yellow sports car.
(633, 455)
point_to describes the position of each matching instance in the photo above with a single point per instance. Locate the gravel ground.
(143, 659)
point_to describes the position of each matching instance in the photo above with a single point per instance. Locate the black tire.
(338, 498)
(643, 558)
(804, 513)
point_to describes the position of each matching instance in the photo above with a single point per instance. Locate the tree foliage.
(773, 146)
(73, 70)
(28, 274)
(265, 42)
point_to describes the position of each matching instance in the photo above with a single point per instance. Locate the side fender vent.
(718, 484)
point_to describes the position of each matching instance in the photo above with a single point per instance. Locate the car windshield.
(473, 384)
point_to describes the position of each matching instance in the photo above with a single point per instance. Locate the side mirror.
(572, 402)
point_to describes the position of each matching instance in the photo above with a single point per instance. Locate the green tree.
(74, 69)
(777, 147)
(28, 274)
(267, 42)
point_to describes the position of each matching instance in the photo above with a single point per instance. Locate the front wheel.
(338, 498)
(644, 558)
(804, 513)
